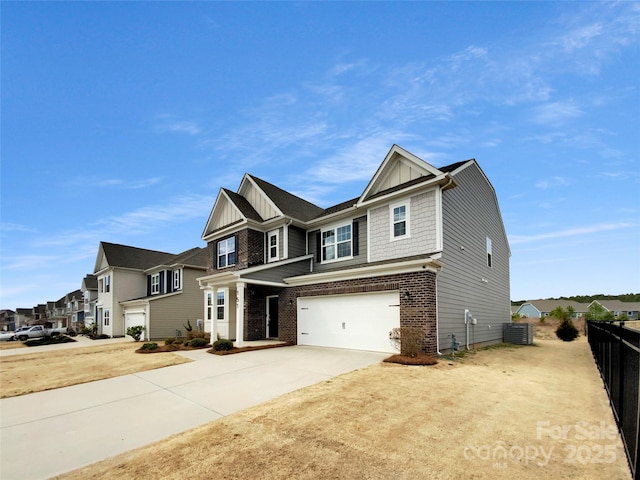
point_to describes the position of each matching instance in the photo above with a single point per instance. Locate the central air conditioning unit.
(517, 333)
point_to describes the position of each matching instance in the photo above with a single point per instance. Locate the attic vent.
(517, 333)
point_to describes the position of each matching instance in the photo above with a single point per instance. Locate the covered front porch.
(242, 311)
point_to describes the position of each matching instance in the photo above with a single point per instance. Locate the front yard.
(518, 412)
(35, 372)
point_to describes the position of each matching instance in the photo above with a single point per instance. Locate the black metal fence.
(616, 349)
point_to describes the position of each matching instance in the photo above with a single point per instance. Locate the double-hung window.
(489, 253)
(209, 305)
(399, 221)
(155, 283)
(220, 305)
(272, 245)
(106, 317)
(227, 252)
(336, 243)
(107, 283)
(176, 279)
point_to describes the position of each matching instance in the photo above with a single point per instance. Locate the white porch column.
(240, 289)
(210, 310)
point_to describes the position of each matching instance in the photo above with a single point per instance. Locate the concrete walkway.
(48, 433)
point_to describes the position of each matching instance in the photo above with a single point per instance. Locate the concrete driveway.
(48, 433)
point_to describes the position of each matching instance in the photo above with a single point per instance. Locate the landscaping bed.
(248, 348)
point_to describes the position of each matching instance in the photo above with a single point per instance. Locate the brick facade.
(249, 247)
(419, 310)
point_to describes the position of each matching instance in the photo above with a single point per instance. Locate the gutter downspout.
(437, 318)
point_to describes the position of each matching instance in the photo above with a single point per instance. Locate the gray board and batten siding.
(471, 215)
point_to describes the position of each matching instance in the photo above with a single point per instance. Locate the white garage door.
(132, 319)
(358, 322)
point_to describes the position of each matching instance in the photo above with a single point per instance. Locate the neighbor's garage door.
(132, 319)
(359, 322)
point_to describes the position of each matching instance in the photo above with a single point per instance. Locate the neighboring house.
(55, 314)
(542, 308)
(7, 320)
(74, 309)
(39, 313)
(618, 307)
(24, 316)
(89, 289)
(421, 247)
(146, 287)
(173, 297)
(119, 270)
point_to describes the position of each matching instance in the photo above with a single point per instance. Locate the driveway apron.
(48, 433)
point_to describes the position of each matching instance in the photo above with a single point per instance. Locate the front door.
(272, 317)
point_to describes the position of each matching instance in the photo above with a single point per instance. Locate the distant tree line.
(625, 297)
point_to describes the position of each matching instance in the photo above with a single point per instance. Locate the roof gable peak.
(398, 167)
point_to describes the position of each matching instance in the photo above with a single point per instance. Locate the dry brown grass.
(11, 345)
(393, 421)
(36, 372)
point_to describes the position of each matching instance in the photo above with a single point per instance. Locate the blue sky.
(121, 121)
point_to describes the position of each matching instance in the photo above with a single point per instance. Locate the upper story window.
(336, 243)
(177, 283)
(107, 283)
(489, 253)
(155, 283)
(399, 221)
(227, 252)
(272, 245)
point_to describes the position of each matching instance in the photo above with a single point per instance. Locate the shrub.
(149, 346)
(567, 331)
(220, 345)
(197, 343)
(135, 332)
(408, 340)
(169, 340)
(198, 334)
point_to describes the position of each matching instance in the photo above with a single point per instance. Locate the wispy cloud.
(6, 227)
(572, 232)
(106, 182)
(556, 113)
(171, 123)
(552, 182)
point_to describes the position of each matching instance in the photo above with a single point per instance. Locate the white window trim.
(106, 317)
(209, 305)
(226, 255)
(177, 279)
(489, 253)
(222, 293)
(107, 284)
(155, 286)
(270, 235)
(335, 228)
(407, 216)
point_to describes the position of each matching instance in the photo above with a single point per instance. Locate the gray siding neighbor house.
(421, 246)
(157, 290)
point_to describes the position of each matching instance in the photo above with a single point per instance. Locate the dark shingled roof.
(244, 206)
(453, 166)
(91, 282)
(134, 257)
(288, 203)
(195, 257)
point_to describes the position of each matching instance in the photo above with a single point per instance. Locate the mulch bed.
(249, 349)
(171, 348)
(406, 360)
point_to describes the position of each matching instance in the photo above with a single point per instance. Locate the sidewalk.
(80, 341)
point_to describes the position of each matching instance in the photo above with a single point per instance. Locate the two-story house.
(89, 289)
(173, 297)
(421, 246)
(155, 289)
